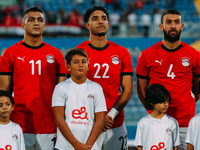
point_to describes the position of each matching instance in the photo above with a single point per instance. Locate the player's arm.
(139, 148)
(175, 148)
(60, 79)
(59, 112)
(190, 146)
(5, 82)
(96, 130)
(142, 85)
(196, 86)
(127, 89)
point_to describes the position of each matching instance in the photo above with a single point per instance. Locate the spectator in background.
(156, 22)
(50, 17)
(2, 15)
(114, 22)
(146, 22)
(132, 18)
(139, 4)
(75, 19)
(18, 19)
(8, 20)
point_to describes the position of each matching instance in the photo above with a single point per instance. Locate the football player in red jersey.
(110, 65)
(174, 64)
(35, 67)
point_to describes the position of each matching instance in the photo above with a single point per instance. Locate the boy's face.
(78, 67)
(6, 107)
(161, 107)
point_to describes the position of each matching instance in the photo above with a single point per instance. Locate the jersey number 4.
(98, 69)
(170, 73)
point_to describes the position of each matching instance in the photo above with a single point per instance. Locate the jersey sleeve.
(61, 69)
(127, 68)
(142, 70)
(196, 70)
(176, 138)
(138, 136)
(100, 103)
(21, 144)
(58, 98)
(6, 62)
(190, 133)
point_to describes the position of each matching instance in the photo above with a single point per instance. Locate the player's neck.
(97, 41)
(170, 45)
(157, 115)
(4, 121)
(33, 41)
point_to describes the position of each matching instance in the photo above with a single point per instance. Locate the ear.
(161, 26)
(182, 25)
(199, 96)
(23, 25)
(68, 68)
(87, 26)
(13, 107)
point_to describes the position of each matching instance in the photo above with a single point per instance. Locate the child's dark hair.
(91, 10)
(170, 11)
(7, 94)
(156, 93)
(75, 51)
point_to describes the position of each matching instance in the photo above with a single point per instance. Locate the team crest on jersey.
(90, 97)
(50, 59)
(15, 137)
(115, 60)
(185, 62)
(169, 131)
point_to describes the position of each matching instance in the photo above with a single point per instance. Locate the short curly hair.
(156, 93)
(91, 10)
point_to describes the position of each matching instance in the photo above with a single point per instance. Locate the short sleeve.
(58, 98)
(176, 138)
(127, 68)
(190, 133)
(61, 69)
(138, 136)
(141, 69)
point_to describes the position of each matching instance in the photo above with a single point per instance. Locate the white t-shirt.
(11, 137)
(81, 102)
(194, 132)
(155, 133)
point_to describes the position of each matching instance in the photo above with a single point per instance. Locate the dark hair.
(7, 94)
(170, 11)
(156, 93)
(91, 10)
(75, 51)
(34, 9)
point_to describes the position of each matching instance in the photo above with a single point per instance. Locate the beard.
(101, 34)
(170, 38)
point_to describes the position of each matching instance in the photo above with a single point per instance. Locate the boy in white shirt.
(192, 138)
(157, 130)
(79, 106)
(11, 135)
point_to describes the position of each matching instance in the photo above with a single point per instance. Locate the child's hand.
(81, 146)
(109, 121)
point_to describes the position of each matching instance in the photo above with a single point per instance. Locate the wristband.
(113, 112)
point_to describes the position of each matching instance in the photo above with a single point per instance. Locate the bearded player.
(175, 65)
(110, 65)
(35, 68)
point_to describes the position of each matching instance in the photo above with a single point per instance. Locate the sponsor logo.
(21, 58)
(50, 59)
(115, 60)
(160, 62)
(80, 114)
(160, 146)
(185, 62)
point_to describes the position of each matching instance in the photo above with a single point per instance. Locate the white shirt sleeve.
(138, 136)
(100, 103)
(21, 145)
(190, 132)
(176, 137)
(59, 97)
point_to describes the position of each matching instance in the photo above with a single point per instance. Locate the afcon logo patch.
(185, 62)
(169, 131)
(115, 60)
(90, 97)
(50, 59)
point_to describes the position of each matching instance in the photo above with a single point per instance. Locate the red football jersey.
(106, 66)
(34, 71)
(174, 69)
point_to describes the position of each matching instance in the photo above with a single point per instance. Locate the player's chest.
(33, 62)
